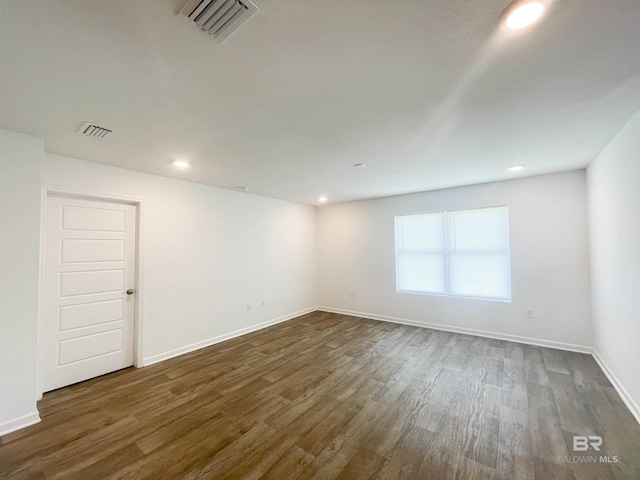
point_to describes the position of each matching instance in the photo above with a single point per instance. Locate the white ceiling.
(427, 93)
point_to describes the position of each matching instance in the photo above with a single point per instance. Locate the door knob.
(131, 291)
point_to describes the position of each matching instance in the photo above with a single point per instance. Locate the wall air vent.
(218, 18)
(94, 131)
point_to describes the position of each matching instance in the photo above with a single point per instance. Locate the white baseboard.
(221, 338)
(624, 394)
(18, 423)
(468, 331)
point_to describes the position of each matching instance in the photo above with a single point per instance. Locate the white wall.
(549, 261)
(20, 158)
(614, 226)
(206, 253)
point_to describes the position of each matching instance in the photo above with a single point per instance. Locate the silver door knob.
(131, 291)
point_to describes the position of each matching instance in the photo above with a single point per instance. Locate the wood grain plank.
(289, 466)
(332, 396)
(363, 465)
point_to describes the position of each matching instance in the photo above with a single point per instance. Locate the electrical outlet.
(528, 312)
(248, 306)
(263, 303)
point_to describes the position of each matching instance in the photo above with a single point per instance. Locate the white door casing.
(89, 264)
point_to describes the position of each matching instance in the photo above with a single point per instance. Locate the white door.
(89, 300)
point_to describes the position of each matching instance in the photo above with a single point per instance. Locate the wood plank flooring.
(328, 396)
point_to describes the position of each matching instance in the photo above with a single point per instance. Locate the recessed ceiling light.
(359, 165)
(181, 164)
(522, 14)
(322, 198)
(516, 168)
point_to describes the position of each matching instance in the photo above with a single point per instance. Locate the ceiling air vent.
(218, 18)
(94, 131)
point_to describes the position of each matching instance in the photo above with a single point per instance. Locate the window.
(459, 253)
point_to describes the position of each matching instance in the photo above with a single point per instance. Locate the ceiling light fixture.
(521, 14)
(516, 168)
(359, 165)
(322, 199)
(181, 164)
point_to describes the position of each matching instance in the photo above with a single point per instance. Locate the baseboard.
(633, 407)
(468, 331)
(221, 338)
(18, 423)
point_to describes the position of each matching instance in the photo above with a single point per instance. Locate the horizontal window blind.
(460, 253)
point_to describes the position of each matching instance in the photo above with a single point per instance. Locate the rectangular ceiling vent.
(94, 131)
(218, 18)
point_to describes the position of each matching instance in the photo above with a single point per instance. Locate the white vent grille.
(218, 18)
(94, 131)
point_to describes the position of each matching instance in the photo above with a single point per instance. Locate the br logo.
(583, 443)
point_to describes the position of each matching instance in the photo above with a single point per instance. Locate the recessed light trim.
(181, 164)
(521, 14)
(517, 167)
(359, 165)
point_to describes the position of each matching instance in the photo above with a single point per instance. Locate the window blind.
(460, 253)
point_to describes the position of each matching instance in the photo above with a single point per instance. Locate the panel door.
(89, 264)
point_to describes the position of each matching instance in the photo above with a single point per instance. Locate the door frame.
(138, 321)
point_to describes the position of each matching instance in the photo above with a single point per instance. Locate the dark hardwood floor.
(331, 396)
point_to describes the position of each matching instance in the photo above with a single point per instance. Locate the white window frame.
(446, 253)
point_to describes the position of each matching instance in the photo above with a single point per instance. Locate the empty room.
(278, 239)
